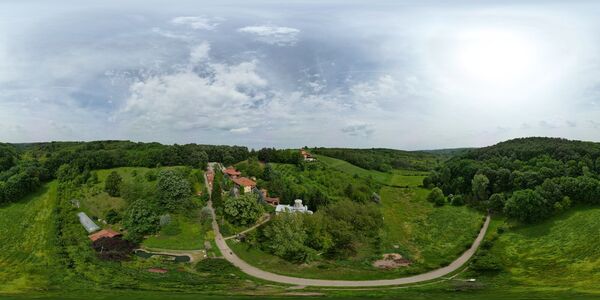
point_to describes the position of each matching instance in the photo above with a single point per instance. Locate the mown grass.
(189, 235)
(344, 166)
(26, 241)
(561, 253)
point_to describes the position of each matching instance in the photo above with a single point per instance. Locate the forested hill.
(383, 159)
(526, 178)
(527, 148)
(24, 166)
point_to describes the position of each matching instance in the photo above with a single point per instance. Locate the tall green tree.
(527, 206)
(112, 185)
(479, 187)
(242, 210)
(173, 189)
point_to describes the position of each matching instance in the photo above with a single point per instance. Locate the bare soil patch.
(391, 261)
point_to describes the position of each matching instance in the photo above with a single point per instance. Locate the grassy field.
(344, 166)
(562, 253)
(182, 234)
(427, 235)
(26, 241)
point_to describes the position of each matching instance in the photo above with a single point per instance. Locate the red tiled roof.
(104, 233)
(243, 181)
(232, 171)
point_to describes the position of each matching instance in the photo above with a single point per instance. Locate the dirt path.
(258, 273)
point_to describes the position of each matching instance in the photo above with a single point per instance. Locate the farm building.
(264, 196)
(297, 208)
(307, 156)
(104, 233)
(87, 223)
(245, 183)
(232, 172)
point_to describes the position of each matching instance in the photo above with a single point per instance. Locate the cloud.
(359, 129)
(221, 98)
(199, 53)
(198, 23)
(274, 35)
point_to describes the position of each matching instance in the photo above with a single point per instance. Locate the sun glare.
(495, 57)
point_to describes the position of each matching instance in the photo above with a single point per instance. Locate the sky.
(396, 74)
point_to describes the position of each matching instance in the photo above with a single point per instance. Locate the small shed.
(87, 223)
(104, 233)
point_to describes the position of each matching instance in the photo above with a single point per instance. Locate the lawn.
(27, 241)
(562, 253)
(427, 235)
(344, 166)
(182, 234)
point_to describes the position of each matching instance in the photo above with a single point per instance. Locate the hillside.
(383, 159)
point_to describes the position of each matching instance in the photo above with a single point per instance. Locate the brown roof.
(243, 181)
(232, 171)
(104, 233)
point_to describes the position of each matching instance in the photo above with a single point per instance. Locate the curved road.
(258, 273)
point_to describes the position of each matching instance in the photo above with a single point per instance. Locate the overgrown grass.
(344, 166)
(182, 234)
(429, 236)
(27, 242)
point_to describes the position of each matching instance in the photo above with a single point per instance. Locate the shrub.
(436, 196)
(112, 217)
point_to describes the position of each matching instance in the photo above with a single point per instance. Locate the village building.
(104, 233)
(307, 156)
(264, 196)
(296, 208)
(87, 223)
(244, 183)
(232, 172)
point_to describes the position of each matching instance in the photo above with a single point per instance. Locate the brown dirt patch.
(391, 261)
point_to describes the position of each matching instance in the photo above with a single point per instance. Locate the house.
(104, 233)
(307, 156)
(246, 183)
(297, 208)
(232, 172)
(264, 196)
(87, 223)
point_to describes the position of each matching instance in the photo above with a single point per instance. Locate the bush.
(112, 185)
(112, 217)
(457, 200)
(485, 262)
(436, 196)
(217, 266)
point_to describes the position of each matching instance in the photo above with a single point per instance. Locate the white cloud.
(185, 100)
(274, 35)
(360, 129)
(199, 22)
(240, 130)
(199, 53)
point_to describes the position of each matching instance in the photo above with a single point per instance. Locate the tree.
(496, 202)
(141, 218)
(112, 185)
(479, 186)
(436, 196)
(217, 192)
(242, 210)
(285, 236)
(174, 190)
(527, 206)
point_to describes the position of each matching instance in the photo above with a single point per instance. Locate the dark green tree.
(112, 185)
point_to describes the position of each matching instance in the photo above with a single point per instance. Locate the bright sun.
(495, 57)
